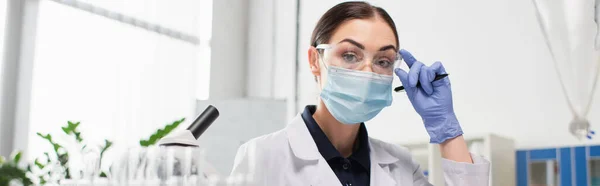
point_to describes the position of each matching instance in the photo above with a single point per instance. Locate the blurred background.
(125, 68)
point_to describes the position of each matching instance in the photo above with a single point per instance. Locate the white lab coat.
(290, 157)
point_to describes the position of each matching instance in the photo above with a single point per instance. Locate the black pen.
(437, 77)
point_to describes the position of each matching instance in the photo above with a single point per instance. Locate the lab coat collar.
(380, 163)
(304, 147)
(327, 150)
(380, 154)
(301, 142)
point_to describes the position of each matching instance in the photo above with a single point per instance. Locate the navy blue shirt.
(351, 171)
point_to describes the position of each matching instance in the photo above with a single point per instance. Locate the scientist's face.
(373, 35)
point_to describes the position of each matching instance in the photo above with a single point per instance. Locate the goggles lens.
(349, 56)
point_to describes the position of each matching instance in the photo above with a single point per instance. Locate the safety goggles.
(349, 56)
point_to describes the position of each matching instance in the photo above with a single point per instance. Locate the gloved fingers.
(413, 74)
(408, 57)
(438, 68)
(403, 76)
(425, 77)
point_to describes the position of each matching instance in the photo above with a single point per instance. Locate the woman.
(353, 57)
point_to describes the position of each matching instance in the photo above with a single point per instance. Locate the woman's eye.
(384, 63)
(350, 57)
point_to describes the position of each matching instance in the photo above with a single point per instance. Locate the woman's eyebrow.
(387, 48)
(353, 42)
(357, 44)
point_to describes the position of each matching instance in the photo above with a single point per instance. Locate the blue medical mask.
(353, 96)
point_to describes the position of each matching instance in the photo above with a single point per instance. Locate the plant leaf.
(38, 164)
(16, 158)
(71, 129)
(66, 130)
(42, 180)
(144, 143)
(78, 136)
(47, 136)
(160, 133)
(107, 144)
(56, 147)
(154, 137)
(13, 172)
(63, 159)
(47, 157)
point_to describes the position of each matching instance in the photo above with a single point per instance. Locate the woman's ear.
(313, 61)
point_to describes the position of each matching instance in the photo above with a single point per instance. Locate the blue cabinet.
(567, 166)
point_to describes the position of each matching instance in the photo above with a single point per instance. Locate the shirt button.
(345, 166)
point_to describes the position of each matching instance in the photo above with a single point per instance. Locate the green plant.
(160, 133)
(40, 166)
(62, 154)
(103, 148)
(10, 170)
(71, 129)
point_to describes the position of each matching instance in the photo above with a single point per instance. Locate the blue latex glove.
(432, 100)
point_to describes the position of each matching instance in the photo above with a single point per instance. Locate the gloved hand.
(432, 100)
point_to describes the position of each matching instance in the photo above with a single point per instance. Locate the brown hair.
(345, 11)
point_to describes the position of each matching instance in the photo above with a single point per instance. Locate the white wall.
(254, 50)
(15, 83)
(271, 47)
(502, 78)
(252, 74)
(261, 48)
(271, 51)
(228, 53)
(256, 70)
